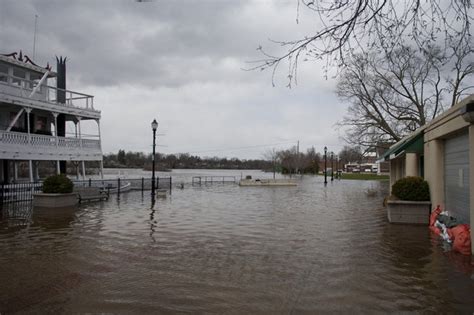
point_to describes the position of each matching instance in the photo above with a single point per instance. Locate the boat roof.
(25, 62)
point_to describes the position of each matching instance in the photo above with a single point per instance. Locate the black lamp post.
(325, 165)
(154, 126)
(338, 176)
(332, 166)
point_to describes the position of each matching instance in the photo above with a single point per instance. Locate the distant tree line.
(287, 161)
(291, 161)
(163, 162)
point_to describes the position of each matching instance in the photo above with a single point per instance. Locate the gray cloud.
(179, 61)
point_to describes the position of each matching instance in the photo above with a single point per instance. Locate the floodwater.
(222, 248)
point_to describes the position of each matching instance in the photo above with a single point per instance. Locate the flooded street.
(224, 248)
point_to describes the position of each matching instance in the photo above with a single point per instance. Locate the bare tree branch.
(393, 94)
(355, 26)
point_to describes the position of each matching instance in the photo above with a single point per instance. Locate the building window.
(3, 72)
(34, 80)
(19, 124)
(41, 123)
(19, 76)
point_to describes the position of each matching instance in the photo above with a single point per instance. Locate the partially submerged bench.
(91, 193)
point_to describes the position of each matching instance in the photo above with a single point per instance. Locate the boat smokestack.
(61, 98)
(61, 79)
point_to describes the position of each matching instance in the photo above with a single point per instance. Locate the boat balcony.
(24, 146)
(24, 92)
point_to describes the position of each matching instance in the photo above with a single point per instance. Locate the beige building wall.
(436, 132)
(411, 164)
(471, 182)
(397, 170)
(440, 129)
(434, 170)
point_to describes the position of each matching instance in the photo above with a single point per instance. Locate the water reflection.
(53, 218)
(224, 248)
(153, 222)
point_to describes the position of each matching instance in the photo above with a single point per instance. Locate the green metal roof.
(411, 144)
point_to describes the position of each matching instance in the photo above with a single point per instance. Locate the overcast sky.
(181, 63)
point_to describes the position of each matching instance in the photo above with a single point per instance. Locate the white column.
(83, 170)
(80, 145)
(30, 168)
(100, 145)
(30, 162)
(36, 164)
(76, 165)
(411, 164)
(28, 111)
(15, 171)
(58, 169)
(78, 119)
(393, 174)
(78, 127)
(434, 174)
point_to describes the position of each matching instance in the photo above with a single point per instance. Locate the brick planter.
(43, 200)
(408, 212)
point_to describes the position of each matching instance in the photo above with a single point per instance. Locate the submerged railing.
(19, 192)
(199, 180)
(23, 192)
(135, 183)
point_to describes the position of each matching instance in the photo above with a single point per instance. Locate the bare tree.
(310, 161)
(272, 156)
(350, 154)
(348, 26)
(394, 93)
(293, 161)
(287, 159)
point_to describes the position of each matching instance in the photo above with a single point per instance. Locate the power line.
(237, 148)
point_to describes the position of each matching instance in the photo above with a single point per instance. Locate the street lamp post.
(154, 126)
(325, 165)
(332, 166)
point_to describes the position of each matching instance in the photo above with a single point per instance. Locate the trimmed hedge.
(411, 188)
(57, 184)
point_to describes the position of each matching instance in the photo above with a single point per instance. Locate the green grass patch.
(364, 176)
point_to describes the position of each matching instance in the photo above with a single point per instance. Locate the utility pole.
(34, 37)
(325, 165)
(332, 166)
(154, 126)
(297, 156)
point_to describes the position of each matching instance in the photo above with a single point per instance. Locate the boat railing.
(37, 140)
(135, 183)
(22, 87)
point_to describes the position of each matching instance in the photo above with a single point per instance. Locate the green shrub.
(411, 188)
(57, 184)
